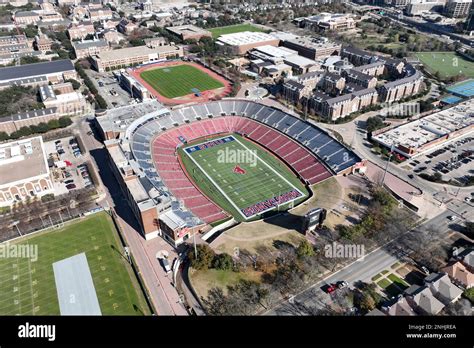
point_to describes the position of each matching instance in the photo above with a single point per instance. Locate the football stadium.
(196, 166)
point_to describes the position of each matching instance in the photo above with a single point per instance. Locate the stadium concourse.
(311, 152)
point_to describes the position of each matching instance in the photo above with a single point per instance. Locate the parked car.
(69, 181)
(166, 265)
(330, 288)
(71, 186)
(342, 284)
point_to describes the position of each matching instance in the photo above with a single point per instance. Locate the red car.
(331, 288)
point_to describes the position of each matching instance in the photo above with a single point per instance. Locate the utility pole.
(195, 248)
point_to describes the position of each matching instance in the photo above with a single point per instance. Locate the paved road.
(361, 270)
(163, 295)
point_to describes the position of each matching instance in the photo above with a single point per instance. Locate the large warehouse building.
(241, 43)
(37, 74)
(417, 137)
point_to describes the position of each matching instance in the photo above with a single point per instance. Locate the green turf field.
(177, 81)
(448, 64)
(230, 29)
(27, 287)
(264, 176)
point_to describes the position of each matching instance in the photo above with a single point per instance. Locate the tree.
(4, 136)
(373, 123)
(64, 122)
(204, 258)
(305, 249)
(75, 84)
(223, 261)
(30, 31)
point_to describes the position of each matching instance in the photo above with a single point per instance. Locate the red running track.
(190, 98)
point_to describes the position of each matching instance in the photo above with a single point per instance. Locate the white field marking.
(269, 167)
(219, 175)
(260, 168)
(217, 186)
(213, 170)
(208, 164)
(236, 193)
(225, 181)
(227, 197)
(230, 187)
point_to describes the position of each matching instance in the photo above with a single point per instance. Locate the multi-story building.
(64, 99)
(333, 83)
(12, 123)
(401, 88)
(241, 43)
(311, 48)
(111, 36)
(189, 32)
(457, 8)
(88, 48)
(24, 171)
(43, 43)
(417, 7)
(99, 14)
(81, 30)
(126, 27)
(329, 21)
(14, 43)
(124, 57)
(26, 17)
(359, 78)
(37, 74)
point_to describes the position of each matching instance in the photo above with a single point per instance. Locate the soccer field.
(180, 80)
(27, 286)
(446, 63)
(241, 177)
(230, 29)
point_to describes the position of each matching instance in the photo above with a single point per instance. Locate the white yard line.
(223, 192)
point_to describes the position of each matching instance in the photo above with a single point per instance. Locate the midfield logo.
(239, 170)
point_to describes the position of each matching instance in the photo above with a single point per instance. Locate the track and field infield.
(27, 287)
(177, 82)
(241, 177)
(230, 29)
(448, 64)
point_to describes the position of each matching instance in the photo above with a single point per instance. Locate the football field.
(242, 177)
(27, 284)
(179, 80)
(447, 64)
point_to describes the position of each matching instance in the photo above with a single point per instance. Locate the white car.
(452, 217)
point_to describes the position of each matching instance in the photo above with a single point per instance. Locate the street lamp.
(15, 223)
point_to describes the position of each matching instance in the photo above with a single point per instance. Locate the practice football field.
(180, 80)
(230, 29)
(241, 177)
(446, 63)
(27, 287)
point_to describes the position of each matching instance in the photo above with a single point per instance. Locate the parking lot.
(66, 163)
(110, 89)
(453, 161)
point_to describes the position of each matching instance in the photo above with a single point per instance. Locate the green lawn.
(383, 283)
(230, 29)
(264, 176)
(27, 287)
(398, 281)
(177, 81)
(448, 64)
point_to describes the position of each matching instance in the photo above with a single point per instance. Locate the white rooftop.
(244, 38)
